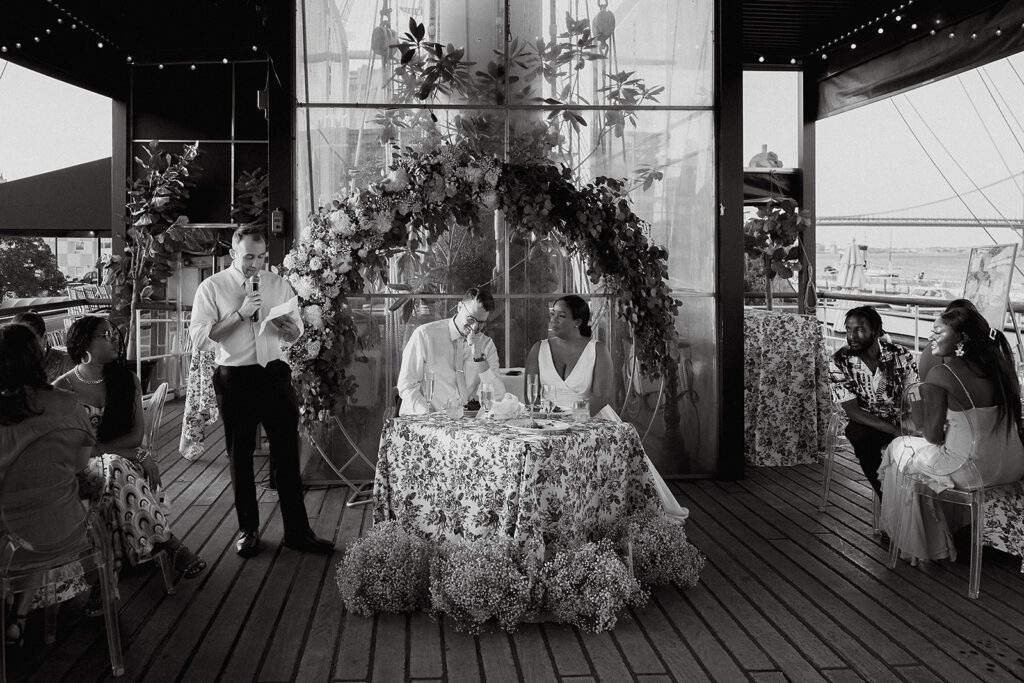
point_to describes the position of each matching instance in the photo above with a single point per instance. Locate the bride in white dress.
(576, 366)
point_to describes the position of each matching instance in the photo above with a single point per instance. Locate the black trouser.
(868, 444)
(247, 396)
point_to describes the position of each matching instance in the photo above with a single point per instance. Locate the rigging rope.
(940, 201)
(988, 132)
(939, 169)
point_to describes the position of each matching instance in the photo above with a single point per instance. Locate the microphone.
(254, 283)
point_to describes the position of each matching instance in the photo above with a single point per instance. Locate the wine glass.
(547, 394)
(486, 397)
(428, 385)
(532, 391)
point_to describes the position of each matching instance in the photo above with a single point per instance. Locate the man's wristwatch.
(479, 359)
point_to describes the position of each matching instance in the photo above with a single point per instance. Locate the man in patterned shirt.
(868, 377)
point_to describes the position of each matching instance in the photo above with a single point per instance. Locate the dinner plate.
(543, 426)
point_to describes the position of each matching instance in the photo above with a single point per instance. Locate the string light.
(160, 66)
(99, 45)
(952, 35)
(224, 61)
(853, 46)
(913, 26)
(999, 31)
(792, 60)
(193, 67)
(881, 30)
(3, 48)
(761, 60)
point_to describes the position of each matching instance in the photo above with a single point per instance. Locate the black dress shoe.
(309, 544)
(248, 543)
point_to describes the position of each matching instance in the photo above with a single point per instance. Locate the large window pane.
(664, 148)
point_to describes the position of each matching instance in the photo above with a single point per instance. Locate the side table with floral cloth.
(786, 401)
(444, 478)
(1004, 519)
(200, 404)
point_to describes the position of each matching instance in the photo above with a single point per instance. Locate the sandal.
(186, 563)
(94, 605)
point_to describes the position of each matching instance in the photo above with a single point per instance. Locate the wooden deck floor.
(788, 594)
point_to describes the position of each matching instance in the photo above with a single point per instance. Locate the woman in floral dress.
(121, 468)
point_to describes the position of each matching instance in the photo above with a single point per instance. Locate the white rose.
(490, 199)
(313, 349)
(313, 317)
(362, 253)
(289, 260)
(315, 263)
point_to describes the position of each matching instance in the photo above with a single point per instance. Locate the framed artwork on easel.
(987, 286)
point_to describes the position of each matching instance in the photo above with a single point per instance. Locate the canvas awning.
(68, 202)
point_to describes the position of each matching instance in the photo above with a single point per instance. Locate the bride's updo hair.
(580, 311)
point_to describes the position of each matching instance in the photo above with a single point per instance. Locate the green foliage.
(773, 236)
(155, 236)
(251, 198)
(28, 268)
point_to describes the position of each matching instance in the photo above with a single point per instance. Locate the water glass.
(532, 390)
(486, 396)
(453, 408)
(581, 410)
(428, 384)
(547, 395)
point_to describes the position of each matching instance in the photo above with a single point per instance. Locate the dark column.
(281, 125)
(120, 153)
(809, 111)
(729, 160)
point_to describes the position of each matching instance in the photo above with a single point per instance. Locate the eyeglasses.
(473, 322)
(108, 335)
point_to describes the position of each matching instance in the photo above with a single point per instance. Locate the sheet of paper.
(279, 311)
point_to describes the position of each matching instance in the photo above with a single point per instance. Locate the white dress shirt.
(440, 346)
(219, 297)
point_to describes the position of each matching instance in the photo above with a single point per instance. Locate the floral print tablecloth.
(1004, 519)
(786, 400)
(200, 404)
(444, 478)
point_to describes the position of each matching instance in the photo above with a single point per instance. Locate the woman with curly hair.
(112, 395)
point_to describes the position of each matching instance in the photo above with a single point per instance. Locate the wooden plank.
(317, 661)
(728, 632)
(639, 654)
(217, 646)
(768, 677)
(424, 647)
(749, 604)
(566, 650)
(669, 643)
(496, 655)
(460, 655)
(535, 663)
(842, 675)
(841, 622)
(389, 648)
(605, 657)
(311, 582)
(1004, 634)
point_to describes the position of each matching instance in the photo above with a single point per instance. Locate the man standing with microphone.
(254, 385)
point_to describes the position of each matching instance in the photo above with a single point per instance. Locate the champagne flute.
(532, 391)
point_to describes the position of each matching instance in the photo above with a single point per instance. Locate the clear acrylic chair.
(955, 461)
(836, 425)
(46, 532)
(153, 410)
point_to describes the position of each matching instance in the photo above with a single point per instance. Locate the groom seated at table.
(448, 359)
(868, 377)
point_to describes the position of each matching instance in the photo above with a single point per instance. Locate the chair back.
(41, 517)
(153, 409)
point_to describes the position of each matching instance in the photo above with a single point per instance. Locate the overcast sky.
(868, 159)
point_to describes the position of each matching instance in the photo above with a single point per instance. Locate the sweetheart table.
(446, 478)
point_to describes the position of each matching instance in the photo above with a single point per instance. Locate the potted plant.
(156, 234)
(773, 236)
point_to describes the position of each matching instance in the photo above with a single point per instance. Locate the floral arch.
(429, 190)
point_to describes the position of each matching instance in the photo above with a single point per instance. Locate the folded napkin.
(506, 407)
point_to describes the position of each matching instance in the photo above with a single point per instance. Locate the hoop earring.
(959, 350)
(87, 358)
